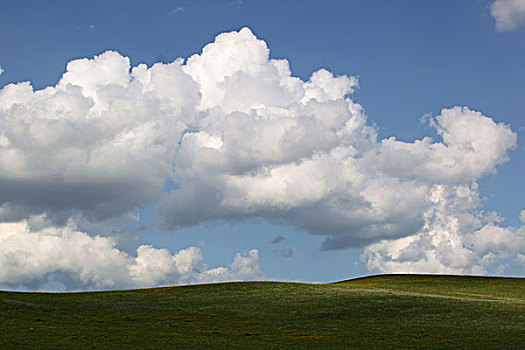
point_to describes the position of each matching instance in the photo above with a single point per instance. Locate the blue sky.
(411, 58)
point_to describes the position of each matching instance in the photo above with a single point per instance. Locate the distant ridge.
(422, 275)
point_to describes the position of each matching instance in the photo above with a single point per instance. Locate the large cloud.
(100, 142)
(230, 134)
(509, 14)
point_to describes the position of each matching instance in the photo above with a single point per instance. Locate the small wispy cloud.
(238, 3)
(1, 70)
(509, 14)
(277, 239)
(288, 253)
(177, 10)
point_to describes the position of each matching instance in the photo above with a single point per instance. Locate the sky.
(174, 142)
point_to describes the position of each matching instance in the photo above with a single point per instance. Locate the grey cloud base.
(239, 137)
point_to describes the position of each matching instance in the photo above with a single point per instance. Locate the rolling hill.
(385, 311)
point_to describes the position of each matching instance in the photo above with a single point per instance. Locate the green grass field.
(388, 311)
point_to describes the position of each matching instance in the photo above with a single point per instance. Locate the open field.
(389, 311)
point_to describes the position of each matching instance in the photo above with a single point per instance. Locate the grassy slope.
(393, 311)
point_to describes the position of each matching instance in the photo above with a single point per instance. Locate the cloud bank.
(231, 134)
(509, 14)
(30, 258)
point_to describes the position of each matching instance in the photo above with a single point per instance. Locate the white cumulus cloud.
(238, 137)
(30, 258)
(509, 14)
(456, 238)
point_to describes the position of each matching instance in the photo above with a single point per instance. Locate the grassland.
(389, 311)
